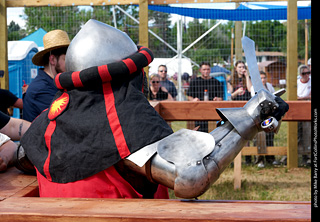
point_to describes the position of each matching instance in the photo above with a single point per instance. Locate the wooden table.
(19, 202)
(14, 183)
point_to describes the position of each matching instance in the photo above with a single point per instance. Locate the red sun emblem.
(58, 106)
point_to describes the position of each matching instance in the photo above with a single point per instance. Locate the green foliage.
(15, 32)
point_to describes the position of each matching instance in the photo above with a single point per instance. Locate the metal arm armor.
(189, 162)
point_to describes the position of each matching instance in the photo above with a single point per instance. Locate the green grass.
(270, 183)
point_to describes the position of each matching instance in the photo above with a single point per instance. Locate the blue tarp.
(219, 69)
(242, 13)
(36, 36)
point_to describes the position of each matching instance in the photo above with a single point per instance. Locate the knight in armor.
(100, 136)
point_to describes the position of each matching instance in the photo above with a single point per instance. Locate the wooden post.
(231, 56)
(237, 172)
(238, 44)
(3, 45)
(238, 55)
(292, 66)
(143, 28)
(143, 23)
(306, 37)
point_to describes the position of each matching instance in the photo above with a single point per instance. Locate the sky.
(15, 13)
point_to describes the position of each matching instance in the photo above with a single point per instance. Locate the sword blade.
(250, 54)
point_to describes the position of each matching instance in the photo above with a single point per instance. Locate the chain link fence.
(201, 40)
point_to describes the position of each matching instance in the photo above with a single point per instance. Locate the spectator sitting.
(8, 99)
(42, 89)
(156, 91)
(171, 88)
(10, 128)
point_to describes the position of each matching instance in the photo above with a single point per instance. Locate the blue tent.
(36, 36)
(219, 69)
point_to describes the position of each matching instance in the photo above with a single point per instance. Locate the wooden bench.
(142, 210)
(19, 201)
(14, 183)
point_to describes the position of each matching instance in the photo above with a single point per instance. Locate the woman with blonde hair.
(156, 91)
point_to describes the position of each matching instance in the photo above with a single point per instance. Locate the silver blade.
(250, 54)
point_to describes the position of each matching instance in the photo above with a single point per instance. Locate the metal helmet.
(98, 44)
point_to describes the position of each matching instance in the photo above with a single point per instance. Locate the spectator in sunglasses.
(304, 83)
(171, 88)
(304, 128)
(156, 91)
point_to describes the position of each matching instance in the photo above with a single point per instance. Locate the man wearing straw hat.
(42, 90)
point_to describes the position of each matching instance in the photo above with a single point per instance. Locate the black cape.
(99, 116)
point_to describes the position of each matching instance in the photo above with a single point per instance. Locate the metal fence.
(209, 40)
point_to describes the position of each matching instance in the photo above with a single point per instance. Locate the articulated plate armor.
(189, 162)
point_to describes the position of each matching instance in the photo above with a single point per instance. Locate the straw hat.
(52, 40)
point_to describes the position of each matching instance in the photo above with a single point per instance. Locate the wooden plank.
(143, 29)
(142, 210)
(271, 150)
(201, 110)
(3, 45)
(15, 183)
(298, 111)
(186, 110)
(238, 36)
(143, 23)
(237, 172)
(292, 66)
(27, 3)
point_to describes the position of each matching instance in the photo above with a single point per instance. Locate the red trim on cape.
(114, 121)
(147, 55)
(75, 76)
(131, 65)
(47, 136)
(104, 73)
(57, 81)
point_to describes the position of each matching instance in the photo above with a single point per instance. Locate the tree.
(71, 18)
(50, 18)
(160, 24)
(15, 32)
(268, 35)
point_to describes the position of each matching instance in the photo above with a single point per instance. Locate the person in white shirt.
(268, 86)
(304, 83)
(304, 128)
